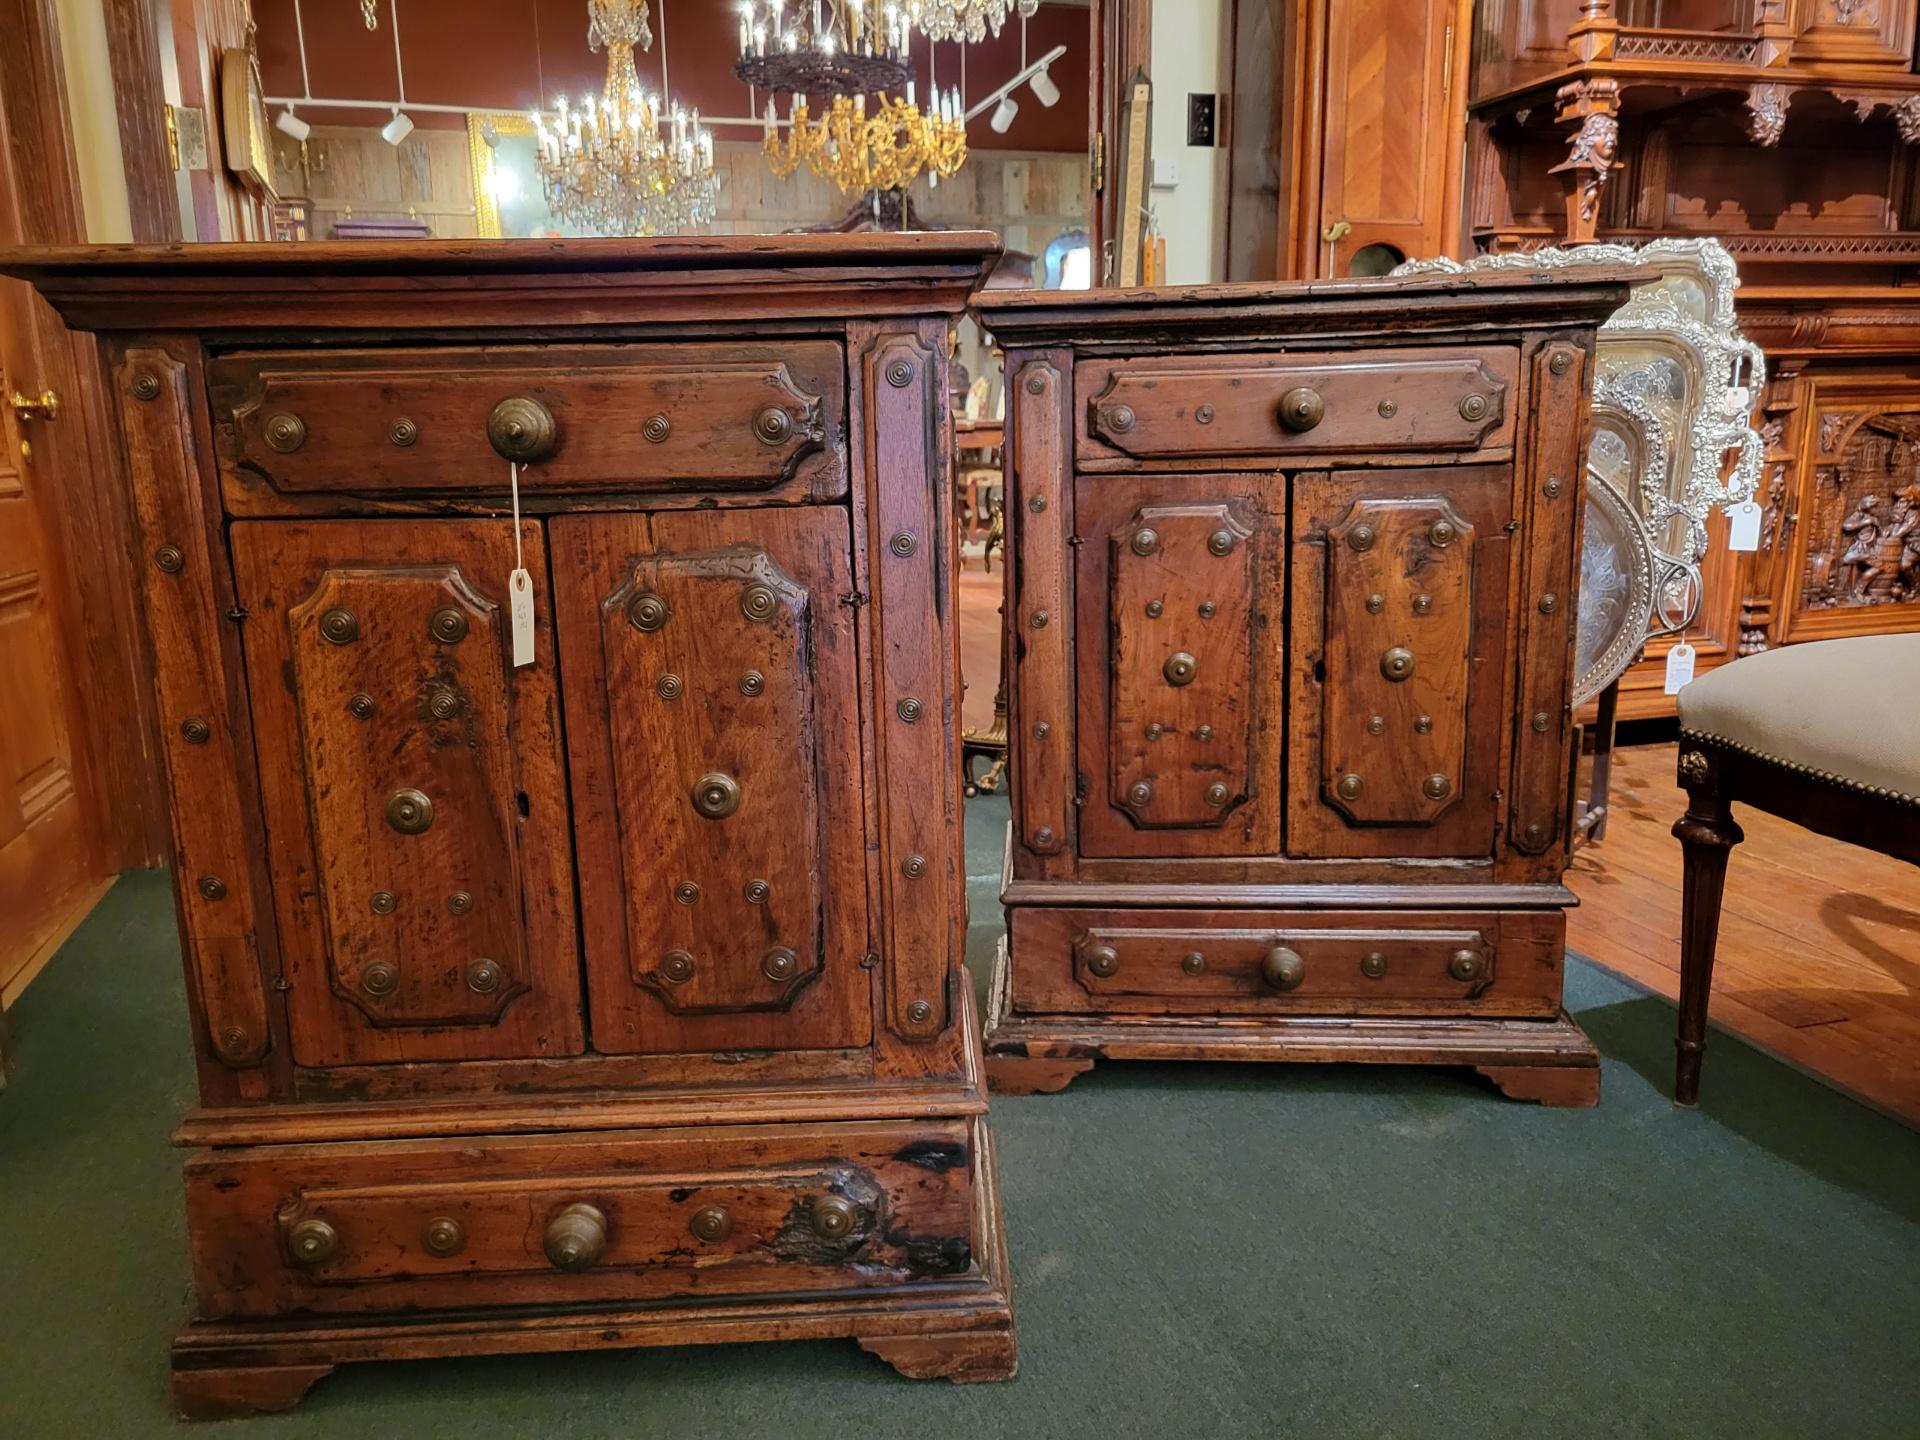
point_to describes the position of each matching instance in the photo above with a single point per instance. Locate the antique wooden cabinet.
(1290, 596)
(575, 967)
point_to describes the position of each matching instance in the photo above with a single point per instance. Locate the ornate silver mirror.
(1672, 396)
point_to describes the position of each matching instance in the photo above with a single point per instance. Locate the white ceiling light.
(396, 129)
(291, 125)
(1003, 113)
(1044, 90)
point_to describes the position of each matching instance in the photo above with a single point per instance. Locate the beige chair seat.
(1847, 711)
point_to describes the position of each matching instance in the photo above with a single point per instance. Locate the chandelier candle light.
(615, 165)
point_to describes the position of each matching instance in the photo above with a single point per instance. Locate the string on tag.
(519, 584)
(513, 480)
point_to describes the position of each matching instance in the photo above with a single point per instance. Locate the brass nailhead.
(1220, 542)
(1549, 603)
(1376, 603)
(647, 613)
(1155, 609)
(711, 1223)
(170, 559)
(1540, 722)
(832, 1216)
(1388, 409)
(676, 966)
(1217, 794)
(409, 811)
(1441, 533)
(1377, 725)
(1553, 487)
(903, 543)
(1041, 730)
(1043, 836)
(1145, 542)
(1473, 407)
(1361, 537)
(919, 1012)
(1179, 669)
(752, 683)
(1036, 384)
(909, 710)
(312, 1242)
(772, 425)
(339, 627)
(1039, 619)
(1208, 609)
(1139, 793)
(1204, 414)
(1119, 418)
(1037, 504)
(286, 433)
(716, 795)
(657, 428)
(1423, 604)
(1561, 362)
(1373, 965)
(146, 386)
(1103, 960)
(780, 964)
(380, 978)
(900, 374)
(669, 687)
(459, 902)
(1422, 724)
(1194, 962)
(443, 704)
(757, 891)
(1534, 834)
(686, 892)
(483, 977)
(1464, 965)
(361, 706)
(448, 625)
(382, 902)
(1436, 787)
(1397, 663)
(758, 603)
(1155, 730)
(1350, 787)
(914, 866)
(1204, 733)
(213, 887)
(403, 433)
(195, 731)
(234, 1041)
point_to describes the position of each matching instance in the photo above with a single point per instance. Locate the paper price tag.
(1679, 667)
(520, 607)
(1743, 527)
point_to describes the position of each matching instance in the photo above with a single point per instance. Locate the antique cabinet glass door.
(713, 726)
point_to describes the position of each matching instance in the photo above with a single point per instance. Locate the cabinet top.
(452, 284)
(1377, 309)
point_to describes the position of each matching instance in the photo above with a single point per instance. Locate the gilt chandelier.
(884, 150)
(618, 164)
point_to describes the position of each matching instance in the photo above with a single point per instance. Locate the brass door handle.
(44, 406)
(1338, 230)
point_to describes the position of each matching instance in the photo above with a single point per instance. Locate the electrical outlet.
(1200, 113)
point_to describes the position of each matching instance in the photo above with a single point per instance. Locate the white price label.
(520, 604)
(1679, 667)
(1743, 527)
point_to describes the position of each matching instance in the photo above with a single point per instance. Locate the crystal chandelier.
(882, 151)
(824, 47)
(966, 20)
(616, 164)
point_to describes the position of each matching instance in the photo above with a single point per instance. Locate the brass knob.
(716, 795)
(780, 964)
(484, 976)
(1103, 960)
(1397, 663)
(1464, 965)
(1282, 968)
(44, 406)
(443, 1236)
(286, 433)
(712, 1224)
(1179, 669)
(312, 1242)
(773, 425)
(522, 429)
(647, 612)
(834, 1217)
(409, 811)
(1473, 407)
(339, 626)
(1118, 418)
(1301, 408)
(576, 1238)
(448, 625)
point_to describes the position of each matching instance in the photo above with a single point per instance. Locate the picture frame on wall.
(244, 131)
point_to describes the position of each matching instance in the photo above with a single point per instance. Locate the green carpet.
(1197, 1250)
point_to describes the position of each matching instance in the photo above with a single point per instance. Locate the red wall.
(517, 54)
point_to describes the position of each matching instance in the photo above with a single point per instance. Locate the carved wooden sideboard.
(1786, 129)
(612, 998)
(1291, 579)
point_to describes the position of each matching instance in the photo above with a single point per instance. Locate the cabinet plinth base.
(1550, 1061)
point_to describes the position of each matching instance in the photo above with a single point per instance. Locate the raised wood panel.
(1179, 586)
(1398, 664)
(712, 718)
(414, 789)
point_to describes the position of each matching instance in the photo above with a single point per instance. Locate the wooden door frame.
(140, 107)
(1121, 37)
(89, 522)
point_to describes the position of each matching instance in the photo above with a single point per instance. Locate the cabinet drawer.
(1301, 962)
(297, 427)
(721, 1210)
(1192, 407)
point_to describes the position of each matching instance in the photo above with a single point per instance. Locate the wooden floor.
(1819, 957)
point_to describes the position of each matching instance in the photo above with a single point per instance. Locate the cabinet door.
(414, 788)
(1399, 645)
(1181, 584)
(712, 720)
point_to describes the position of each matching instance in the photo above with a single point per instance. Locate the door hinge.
(1097, 162)
(1080, 790)
(854, 599)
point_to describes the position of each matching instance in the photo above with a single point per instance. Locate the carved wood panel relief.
(1860, 521)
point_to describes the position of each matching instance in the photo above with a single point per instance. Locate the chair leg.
(1707, 832)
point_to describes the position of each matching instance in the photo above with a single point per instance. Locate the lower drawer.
(721, 1210)
(1255, 962)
